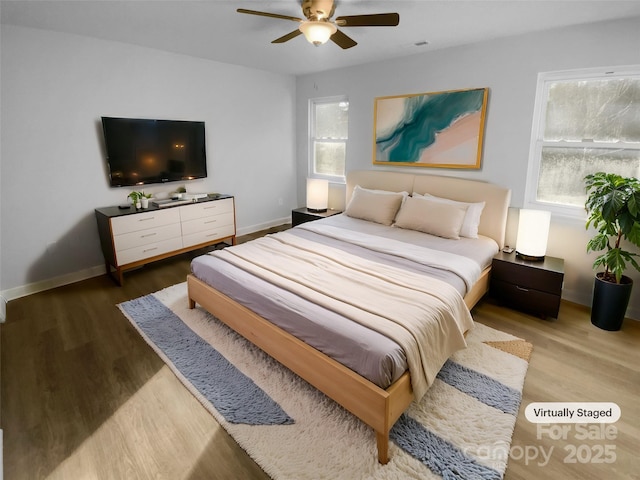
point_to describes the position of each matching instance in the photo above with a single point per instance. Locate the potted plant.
(135, 198)
(179, 193)
(613, 208)
(144, 199)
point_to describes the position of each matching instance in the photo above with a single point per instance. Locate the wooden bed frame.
(379, 408)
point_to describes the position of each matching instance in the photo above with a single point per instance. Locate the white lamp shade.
(533, 233)
(317, 32)
(317, 194)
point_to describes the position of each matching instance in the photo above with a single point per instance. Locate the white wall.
(509, 67)
(55, 88)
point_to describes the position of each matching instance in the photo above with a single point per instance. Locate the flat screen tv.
(143, 151)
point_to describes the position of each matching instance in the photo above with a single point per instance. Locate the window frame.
(545, 79)
(313, 102)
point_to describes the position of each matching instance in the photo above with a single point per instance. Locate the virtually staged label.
(572, 412)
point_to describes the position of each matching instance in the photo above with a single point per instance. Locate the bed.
(280, 292)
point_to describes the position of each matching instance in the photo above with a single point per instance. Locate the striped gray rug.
(202, 368)
(461, 429)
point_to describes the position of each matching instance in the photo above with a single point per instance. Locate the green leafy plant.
(613, 206)
(135, 197)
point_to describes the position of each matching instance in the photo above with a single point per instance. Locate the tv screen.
(142, 151)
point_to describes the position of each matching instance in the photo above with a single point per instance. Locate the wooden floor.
(83, 396)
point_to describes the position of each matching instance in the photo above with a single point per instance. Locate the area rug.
(461, 429)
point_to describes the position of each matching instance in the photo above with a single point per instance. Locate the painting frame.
(442, 129)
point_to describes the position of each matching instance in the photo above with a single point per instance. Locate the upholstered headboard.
(493, 221)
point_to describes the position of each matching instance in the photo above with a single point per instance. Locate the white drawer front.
(131, 255)
(142, 221)
(206, 209)
(145, 237)
(208, 235)
(206, 223)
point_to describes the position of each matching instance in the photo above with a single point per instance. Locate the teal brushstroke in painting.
(423, 117)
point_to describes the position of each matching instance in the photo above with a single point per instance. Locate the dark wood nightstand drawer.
(527, 277)
(526, 299)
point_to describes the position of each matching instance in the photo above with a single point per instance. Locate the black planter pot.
(610, 301)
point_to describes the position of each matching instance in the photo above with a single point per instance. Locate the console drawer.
(207, 223)
(223, 231)
(207, 209)
(142, 252)
(143, 221)
(147, 236)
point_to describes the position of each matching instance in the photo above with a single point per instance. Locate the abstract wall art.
(440, 129)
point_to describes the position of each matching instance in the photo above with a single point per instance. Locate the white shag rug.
(459, 430)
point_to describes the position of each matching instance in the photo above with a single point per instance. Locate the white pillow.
(472, 218)
(429, 216)
(375, 205)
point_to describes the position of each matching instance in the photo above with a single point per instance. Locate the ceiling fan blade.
(342, 40)
(374, 20)
(267, 14)
(287, 37)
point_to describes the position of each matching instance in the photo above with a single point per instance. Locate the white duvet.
(425, 316)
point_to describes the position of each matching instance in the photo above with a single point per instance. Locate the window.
(328, 138)
(584, 121)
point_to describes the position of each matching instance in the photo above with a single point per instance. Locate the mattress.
(367, 352)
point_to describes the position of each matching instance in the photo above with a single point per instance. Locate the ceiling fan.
(318, 27)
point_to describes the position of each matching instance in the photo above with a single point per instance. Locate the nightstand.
(534, 287)
(302, 215)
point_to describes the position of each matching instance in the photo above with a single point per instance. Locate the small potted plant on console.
(144, 199)
(613, 208)
(135, 198)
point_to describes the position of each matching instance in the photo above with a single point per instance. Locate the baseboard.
(576, 297)
(263, 226)
(29, 289)
(41, 286)
(3, 311)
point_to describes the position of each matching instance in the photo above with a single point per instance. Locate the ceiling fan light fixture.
(317, 32)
